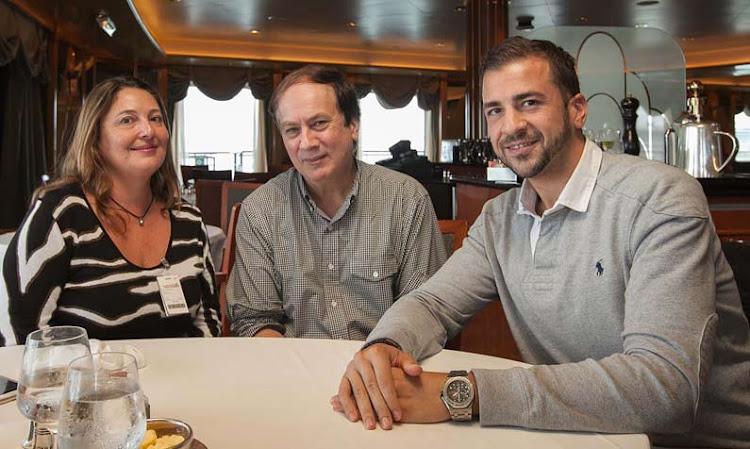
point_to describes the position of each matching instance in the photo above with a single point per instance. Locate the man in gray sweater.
(609, 271)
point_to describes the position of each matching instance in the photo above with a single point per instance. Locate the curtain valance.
(396, 91)
(218, 83)
(18, 33)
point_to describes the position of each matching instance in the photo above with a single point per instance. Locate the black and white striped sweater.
(62, 268)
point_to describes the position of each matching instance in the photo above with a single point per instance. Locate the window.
(380, 128)
(742, 132)
(220, 134)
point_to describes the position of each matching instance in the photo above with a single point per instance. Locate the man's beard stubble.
(550, 149)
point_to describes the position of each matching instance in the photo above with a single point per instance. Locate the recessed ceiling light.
(254, 31)
(583, 19)
(440, 45)
(352, 24)
(641, 25)
(459, 8)
(647, 2)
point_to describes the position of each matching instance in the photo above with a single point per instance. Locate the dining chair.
(737, 251)
(188, 172)
(222, 175)
(454, 232)
(253, 177)
(227, 262)
(232, 193)
(208, 200)
(488, 331)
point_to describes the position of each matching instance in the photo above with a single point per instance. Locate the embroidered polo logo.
(599, 267)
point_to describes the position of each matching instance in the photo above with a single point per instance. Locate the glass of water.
(609, 140)
(103, 405)
(46, 357)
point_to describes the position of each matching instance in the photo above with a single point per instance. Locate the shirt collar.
(577, 192)
(347, 202)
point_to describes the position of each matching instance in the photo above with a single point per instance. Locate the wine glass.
(46, 357)
(102, 405)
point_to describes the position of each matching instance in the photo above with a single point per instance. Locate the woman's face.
(133, 137)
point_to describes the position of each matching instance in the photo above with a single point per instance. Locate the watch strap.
(386, 341)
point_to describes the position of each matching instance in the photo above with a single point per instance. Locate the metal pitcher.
(695, 146)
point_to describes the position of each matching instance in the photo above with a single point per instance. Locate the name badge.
(172, 296)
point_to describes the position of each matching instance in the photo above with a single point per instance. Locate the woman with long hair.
(109, 245)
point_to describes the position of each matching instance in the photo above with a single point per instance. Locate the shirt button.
(375, 274)
(333, 303)
(330, 266)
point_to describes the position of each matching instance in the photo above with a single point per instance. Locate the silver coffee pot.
(695, 146)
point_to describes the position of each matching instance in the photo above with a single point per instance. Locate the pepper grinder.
(629, 135)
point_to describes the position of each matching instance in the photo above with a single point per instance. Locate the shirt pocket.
(374, 268)
(374, 279)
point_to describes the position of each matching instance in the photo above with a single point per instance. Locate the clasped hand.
(386, 385)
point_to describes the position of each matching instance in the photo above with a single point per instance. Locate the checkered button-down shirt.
(306, 275)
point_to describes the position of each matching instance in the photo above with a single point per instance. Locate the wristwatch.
(458, 395)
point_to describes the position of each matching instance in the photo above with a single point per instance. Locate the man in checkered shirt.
(324, 249)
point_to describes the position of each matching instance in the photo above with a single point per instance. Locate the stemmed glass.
(102, 404)
(46, 357)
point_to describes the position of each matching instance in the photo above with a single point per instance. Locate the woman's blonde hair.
(83, 162)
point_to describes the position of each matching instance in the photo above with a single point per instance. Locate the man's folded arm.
(655, 384)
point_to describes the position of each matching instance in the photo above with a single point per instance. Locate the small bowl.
(168, 426)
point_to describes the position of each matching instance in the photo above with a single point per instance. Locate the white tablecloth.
(274, 393)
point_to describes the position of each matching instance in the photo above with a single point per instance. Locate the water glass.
(609, 140)
(103, 405)
(44, 367)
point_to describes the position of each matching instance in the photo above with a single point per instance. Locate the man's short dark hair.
(561, 63)
(346, 97)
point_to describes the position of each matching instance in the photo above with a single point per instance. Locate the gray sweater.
(629, 313)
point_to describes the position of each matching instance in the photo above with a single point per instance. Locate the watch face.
(459, 392)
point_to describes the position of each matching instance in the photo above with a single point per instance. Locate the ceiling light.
(524, 23)
(352, 24)
(583, 19)
(106, 23)
(254, 31)
(647, 2)
(459, 8)
(440, 45)
(641, 25)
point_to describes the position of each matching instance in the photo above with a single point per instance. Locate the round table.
(274, 393)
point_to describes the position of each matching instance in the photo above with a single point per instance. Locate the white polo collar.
(577, 192)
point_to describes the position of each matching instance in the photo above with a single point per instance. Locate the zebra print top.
(62, 268)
